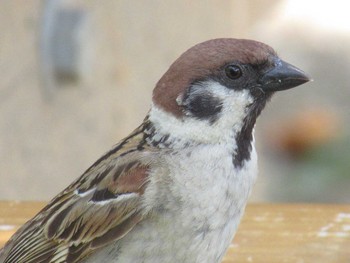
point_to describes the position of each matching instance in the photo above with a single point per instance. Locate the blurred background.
(77, 76)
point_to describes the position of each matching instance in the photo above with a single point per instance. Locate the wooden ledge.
(272, 233)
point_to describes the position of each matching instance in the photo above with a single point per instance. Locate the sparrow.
(175, 189)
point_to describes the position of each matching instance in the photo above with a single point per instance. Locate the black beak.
(283, 76)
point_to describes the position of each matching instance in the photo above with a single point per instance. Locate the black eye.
(233, 71)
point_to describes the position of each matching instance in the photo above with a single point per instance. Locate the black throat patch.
(244, 138)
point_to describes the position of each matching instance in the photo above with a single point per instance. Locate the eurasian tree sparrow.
(175, 189)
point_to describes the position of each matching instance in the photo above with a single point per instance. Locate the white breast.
(197, 207)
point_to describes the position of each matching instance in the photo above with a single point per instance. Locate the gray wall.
(50, 131)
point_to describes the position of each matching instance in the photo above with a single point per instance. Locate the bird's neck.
(164, 130)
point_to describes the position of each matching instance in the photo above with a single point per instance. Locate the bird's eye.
(233, 71)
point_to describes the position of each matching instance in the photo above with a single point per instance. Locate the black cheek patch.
(203, 106)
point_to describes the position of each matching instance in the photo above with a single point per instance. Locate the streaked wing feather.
(100, 207)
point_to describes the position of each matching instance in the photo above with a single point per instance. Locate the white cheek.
(235, 104)
(223, 130)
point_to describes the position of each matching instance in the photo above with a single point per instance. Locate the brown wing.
(79, 221)
(102, 206)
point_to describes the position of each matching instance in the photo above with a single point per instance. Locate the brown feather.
(98, 208)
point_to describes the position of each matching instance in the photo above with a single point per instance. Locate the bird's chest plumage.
(194, 218)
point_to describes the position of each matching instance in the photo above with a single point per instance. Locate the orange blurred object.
(305, 131)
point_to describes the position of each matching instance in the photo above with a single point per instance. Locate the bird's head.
(218, 87)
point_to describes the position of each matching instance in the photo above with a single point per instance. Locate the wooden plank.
(295, 233)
